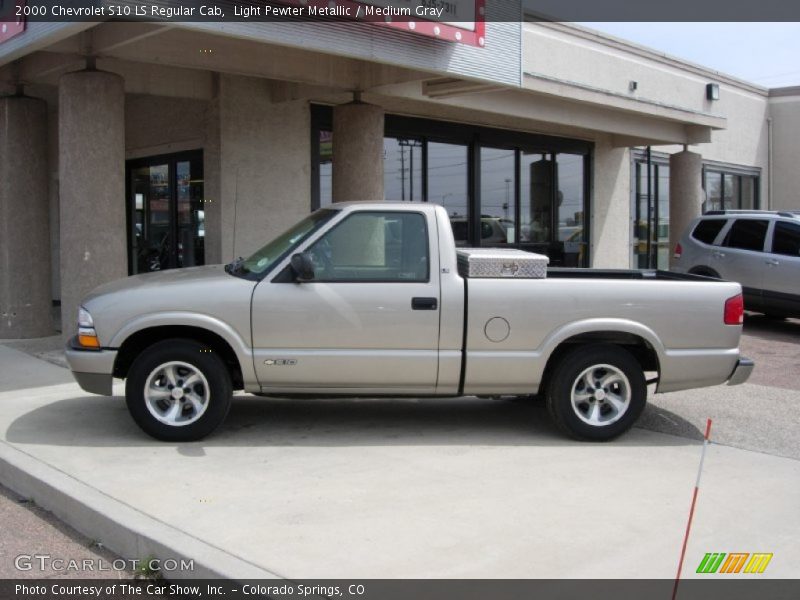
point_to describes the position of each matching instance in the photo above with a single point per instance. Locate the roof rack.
(741, 211)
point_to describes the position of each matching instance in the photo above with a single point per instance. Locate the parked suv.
(758, 249)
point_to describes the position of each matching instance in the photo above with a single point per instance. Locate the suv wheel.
(177, 391)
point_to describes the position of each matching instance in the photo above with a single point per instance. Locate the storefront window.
(498, 205)
(571, 204)
(748, 194)
(714, 191)
(402, 169)
(730, 191)
(447, 184)
(500, 188)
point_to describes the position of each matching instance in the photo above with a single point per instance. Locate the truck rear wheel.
(178, 390)
(596, 392)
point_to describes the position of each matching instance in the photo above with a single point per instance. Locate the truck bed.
(626, 274)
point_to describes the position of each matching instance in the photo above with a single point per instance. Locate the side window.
(374, 246)
(747, 234)
(786, 239)
(707, 230)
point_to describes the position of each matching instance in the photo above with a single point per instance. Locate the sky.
(762, 53)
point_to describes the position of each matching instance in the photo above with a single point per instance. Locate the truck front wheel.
(178, 390)
(596, 392)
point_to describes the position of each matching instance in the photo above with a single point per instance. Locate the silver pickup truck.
(367, 299)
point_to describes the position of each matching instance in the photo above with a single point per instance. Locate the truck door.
(368, 322)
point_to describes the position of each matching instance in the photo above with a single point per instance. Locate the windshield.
(262, 260)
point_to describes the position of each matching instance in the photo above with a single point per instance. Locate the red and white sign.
(460, 21)
(10, 23)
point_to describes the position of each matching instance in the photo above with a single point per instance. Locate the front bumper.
(741, 371)
(92, 369)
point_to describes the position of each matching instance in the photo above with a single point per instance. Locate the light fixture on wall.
(712, 91)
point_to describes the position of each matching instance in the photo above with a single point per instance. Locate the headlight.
(87, 336)
(84, 318)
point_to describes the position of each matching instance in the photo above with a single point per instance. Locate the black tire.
(568, 375)
(195, 358)
(705, 272)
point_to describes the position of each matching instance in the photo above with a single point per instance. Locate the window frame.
(426, 280)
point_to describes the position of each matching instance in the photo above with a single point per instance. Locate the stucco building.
(130, 147)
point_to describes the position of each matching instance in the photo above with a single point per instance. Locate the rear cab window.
(747, 234)
(706, 231)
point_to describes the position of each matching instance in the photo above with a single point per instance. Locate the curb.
(122, 529)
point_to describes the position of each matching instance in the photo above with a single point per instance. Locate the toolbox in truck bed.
(501, 263)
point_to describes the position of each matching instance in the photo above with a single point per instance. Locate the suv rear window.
(786, 239)
(747, 234)
(707, 230)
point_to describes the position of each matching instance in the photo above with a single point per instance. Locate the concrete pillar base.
(91, 143)
(25, 296)
(357, 152)
(686, 195)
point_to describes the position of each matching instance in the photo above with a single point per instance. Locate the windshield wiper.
(235, 266)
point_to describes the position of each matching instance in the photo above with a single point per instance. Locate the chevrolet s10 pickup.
(371, 299)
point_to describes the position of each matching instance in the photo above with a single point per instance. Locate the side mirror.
(303, 267)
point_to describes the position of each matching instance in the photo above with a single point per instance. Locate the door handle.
(718, 254)
(424, 304)
(772, 262)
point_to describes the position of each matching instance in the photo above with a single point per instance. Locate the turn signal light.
(87, 338)
(734, 310)
(678, 251)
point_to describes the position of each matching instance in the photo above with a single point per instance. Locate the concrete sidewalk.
(390, 488)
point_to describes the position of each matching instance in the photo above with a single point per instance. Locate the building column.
(357, 152)
(686, 194)
(91, 147)
(25, 298)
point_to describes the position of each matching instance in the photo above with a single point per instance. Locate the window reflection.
(651, 233)
(570, 207)
(402, 169)
(498, 208)
(447, 184)
(531, 198)
(537, 200)
(167, 213)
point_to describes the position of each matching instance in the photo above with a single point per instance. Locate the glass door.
(166, 213)
(553, 203)
(651, 217)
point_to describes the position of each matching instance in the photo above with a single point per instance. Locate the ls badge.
(280, 362)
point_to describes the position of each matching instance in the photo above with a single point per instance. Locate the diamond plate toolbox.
(501, 263)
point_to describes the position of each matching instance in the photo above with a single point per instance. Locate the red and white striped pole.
(706, 441)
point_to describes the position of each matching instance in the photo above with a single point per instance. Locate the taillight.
(734, 310)
(678, 251)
